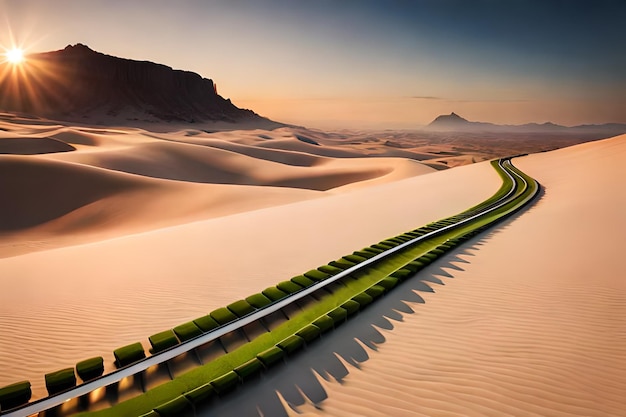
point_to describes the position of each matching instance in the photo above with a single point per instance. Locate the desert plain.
(111, 234)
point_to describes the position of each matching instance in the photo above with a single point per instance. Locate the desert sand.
(110, 240)
(528, 318)
(71, 185)
(132, 232)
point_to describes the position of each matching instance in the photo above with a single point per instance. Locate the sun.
(15, 56)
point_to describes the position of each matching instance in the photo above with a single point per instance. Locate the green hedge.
(302, 281)
(382, 247)
(428, 258)
(274, 293)
(402, 274)
(354, 258)
(364, 254)
(414, 266)
(317, 275)
(363, 299)
(324, 323)
(187, 331)
(375, 291)
(175, 407)
(128, 354)
(388, 283)
(206, 323)
(374, 250)
(342, 264)
(291, 344)
(163, 340)
(90, 368)
(309, 333)
(339, 315)
(329, 269)
(258, 300)
(201, 394)
(351, 307)
(15, 395)
(223, 315)
(225, 383)
(60, 381)
(240, 308)
(288, 287)
(271, 356)
(249, 369)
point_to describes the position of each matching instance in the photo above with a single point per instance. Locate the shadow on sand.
(301, 379)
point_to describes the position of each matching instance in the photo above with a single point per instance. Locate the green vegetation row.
(226, 372)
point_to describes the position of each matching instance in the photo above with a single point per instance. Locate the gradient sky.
(363, 64)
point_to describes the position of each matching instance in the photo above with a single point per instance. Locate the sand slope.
(85, 300)
(71, 185)
(195, 220)
(113, 234)
(529, 319)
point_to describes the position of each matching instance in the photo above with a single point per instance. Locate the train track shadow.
(301, 379)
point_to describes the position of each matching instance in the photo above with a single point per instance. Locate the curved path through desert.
(520, 193)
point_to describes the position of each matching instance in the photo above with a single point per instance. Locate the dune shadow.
(33, 146)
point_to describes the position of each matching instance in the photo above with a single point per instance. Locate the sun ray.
(15, 56)
(34, 86)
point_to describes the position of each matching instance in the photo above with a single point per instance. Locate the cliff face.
(77, 81)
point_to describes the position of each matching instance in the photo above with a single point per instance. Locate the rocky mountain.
(454, 122)
(451, 119)
(77, 82)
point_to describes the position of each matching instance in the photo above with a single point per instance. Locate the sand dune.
(193, 163)
(194, 220)
(134, 286)
(36, 184)
(528, 319)
(98, 183)
(32, 146)
(84, 203)
(272, 155)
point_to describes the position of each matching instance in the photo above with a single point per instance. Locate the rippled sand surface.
(528, 319)
(130, 234)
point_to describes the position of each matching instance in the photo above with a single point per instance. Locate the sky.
(336, 64)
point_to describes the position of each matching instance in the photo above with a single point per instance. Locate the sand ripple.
(483, 345)
(529, 320)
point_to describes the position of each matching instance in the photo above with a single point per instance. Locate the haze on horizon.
(367, 64)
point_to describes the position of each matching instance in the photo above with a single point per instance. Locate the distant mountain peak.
(448, 119)
(454, 123)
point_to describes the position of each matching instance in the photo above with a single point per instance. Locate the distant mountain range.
(454, 122)
(77, 83)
